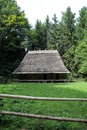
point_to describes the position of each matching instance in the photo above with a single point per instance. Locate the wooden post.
(1, 104)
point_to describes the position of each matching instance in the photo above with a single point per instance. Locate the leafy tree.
(13, 30)
(81, 57)
(81, 50)
(16, 36)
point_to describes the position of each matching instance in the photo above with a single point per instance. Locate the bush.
(4, 80)
(1, 79)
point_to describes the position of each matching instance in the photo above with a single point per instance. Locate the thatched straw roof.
(45, 61)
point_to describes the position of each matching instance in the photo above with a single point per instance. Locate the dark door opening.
(45, 76)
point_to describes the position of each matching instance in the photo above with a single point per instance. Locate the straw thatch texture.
(37, 62)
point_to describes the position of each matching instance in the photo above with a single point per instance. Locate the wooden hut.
(43, 65)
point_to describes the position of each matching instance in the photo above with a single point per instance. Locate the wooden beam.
(44, 80)
(42, 98)
(43, 117)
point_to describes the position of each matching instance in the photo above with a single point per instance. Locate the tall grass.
(52, 108)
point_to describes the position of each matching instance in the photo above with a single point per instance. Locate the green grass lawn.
(51, 108)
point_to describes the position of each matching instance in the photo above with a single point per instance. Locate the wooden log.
(45, 80)
(42, 98)
(43, 117)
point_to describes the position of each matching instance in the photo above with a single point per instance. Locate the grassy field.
(53, 108)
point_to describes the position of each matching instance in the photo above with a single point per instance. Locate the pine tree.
(48, 36)
(54, 42)
(81, 50)
(41, 35)
(69, 38)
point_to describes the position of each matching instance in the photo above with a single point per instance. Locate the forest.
(17, 36)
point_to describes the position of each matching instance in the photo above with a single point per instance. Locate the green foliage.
(81, 26)
(13, 30)
(67, 36)
(68, 39)
(81, 50)
(54, 42)
(32, 40)
(81, 57)
(69, 59)
(40, 35)
(48, 27)
(68, 29)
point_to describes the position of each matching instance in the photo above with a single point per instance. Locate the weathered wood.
(43, 98)
(43, 117)
(43, 80)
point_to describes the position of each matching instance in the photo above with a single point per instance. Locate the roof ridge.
(42, 51)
